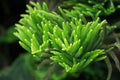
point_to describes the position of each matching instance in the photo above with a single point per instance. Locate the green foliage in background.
(90, 7)
(8, 37)
(19, 72)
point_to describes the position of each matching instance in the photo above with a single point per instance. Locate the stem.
(49, 72)
(44, 62)
(109, 66)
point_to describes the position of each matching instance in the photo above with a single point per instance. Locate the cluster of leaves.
(71, 42)
(36, 25)
(77, 44)
(68, 38)
(92, 8)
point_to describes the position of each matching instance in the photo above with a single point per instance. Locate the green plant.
(73, 39)
(73, 44)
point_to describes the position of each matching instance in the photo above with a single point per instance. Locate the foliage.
(73, 38)
(73, 44)
(8, 37)
(90, 7)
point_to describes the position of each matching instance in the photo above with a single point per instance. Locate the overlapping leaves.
(93, 8)
(33, 28)
(73, 44)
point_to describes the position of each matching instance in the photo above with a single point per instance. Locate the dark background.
(10, 11)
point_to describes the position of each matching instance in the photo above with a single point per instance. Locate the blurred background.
(10, 11)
